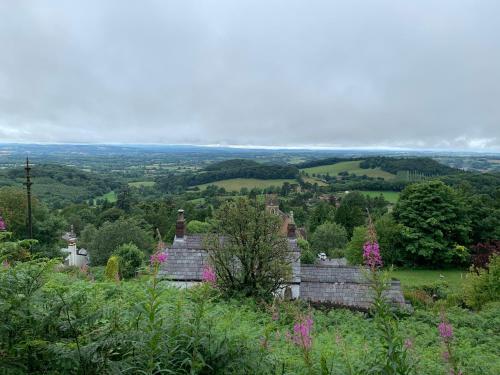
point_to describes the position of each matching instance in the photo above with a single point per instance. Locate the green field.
(313, 181)
(390, 196)
(139, 184)
(235, 184)
(110, 197)
(351, 167)
(416, 278)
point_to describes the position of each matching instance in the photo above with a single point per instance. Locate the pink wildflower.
(445, 331)
(302, 333)
(3, 227)
(371, 249)
(208, 275)
(371, 255)
(158, 258)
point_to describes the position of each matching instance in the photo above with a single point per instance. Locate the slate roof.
(187, 257)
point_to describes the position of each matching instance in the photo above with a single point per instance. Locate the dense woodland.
(54, 323)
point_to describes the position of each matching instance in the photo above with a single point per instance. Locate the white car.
(322, 256)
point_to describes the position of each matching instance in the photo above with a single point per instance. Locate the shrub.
(196, 226)
(102, 242)
(483, 286)
(328, 236)
(307, 256)
(253, 259)
(354, 249)
(336, 253)
(482, 252)
(112, 271)
(130, 259)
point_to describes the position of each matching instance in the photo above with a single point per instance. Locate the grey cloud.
(325, 73)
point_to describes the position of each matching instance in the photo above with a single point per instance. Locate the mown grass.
(351, 167)
(235, 184)
(417, 278)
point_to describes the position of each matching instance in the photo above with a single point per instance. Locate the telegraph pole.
(28, 184)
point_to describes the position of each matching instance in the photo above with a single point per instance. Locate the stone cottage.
(328, 282)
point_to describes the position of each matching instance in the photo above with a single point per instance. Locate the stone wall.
(342, 285)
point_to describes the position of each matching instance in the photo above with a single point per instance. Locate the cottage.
(329, 282)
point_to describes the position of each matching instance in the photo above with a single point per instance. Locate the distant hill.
(58, 185)
(394, 165)
(228, 169)
(425, 166)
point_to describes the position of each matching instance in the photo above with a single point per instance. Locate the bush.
(483, 286)
(336, 253)
(196, 226)
(130, 259)
(482, 252)
(112, 271)
(354, 250)
(307, 256)
(253, 259)
(328, 236)
(102, 242)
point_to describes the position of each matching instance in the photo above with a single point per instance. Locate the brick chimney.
(291, 226)
(180, 225)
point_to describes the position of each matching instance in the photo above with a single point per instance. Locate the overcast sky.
(350, 73)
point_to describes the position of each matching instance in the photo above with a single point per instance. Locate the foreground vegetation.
(73, 321)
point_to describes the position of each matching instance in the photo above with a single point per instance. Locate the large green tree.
(329, 237)
(101, 242)
(47, 226)
(352, 211)
(435, 221)
(253, 258)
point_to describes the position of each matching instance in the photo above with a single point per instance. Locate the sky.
(411, 74)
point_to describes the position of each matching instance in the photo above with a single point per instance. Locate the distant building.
(273, 207)
(76, 257)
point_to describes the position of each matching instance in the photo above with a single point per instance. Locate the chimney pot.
(291, 227)
(180, 225)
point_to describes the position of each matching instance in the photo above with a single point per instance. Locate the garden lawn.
(416, 278)
(351, 167)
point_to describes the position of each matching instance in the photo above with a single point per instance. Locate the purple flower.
(445, 331)
(371, 255)
(3, 226)
(302, 333)
(208, 275)
(158, 258)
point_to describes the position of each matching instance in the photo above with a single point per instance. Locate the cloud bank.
(419, 74)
